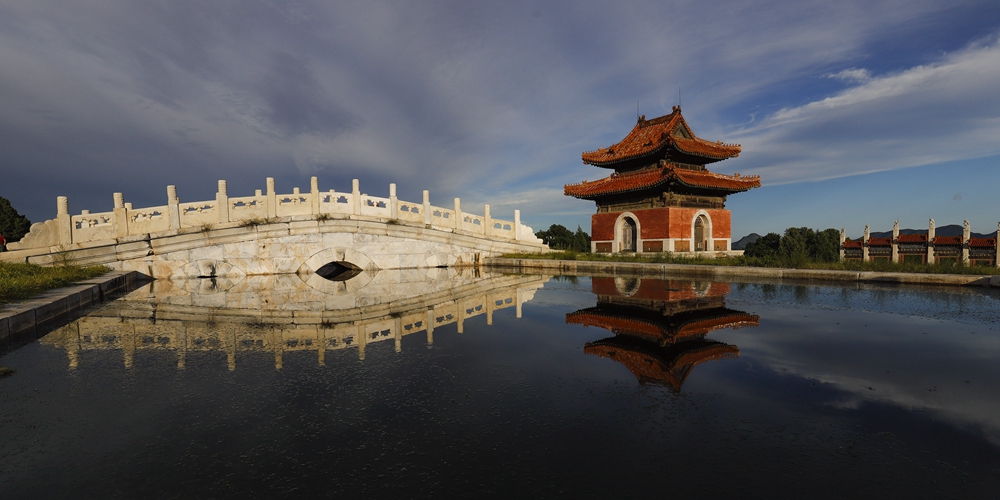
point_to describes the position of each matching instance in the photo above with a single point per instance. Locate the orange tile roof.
(650, 136)
(982, 242)
(853, 243)
(662, 328)
(879, 242)
(947, 240)
(670, 366)
(913, 238)
(666, 174)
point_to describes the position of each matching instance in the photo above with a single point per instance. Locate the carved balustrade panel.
(410, 212)
(199, 214)
(293, 204)
(148, 220)
(247, 208)
(93, 227)
(333, 202)
(374, 206)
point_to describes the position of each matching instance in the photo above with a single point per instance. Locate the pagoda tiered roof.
(666, 174)
(654, 326)
(650, 363)
(650, 137)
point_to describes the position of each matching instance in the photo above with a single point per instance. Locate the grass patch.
(744, 261)
(23, 281)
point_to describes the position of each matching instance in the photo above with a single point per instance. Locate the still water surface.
(456, 384)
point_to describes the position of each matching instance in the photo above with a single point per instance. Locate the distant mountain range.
(949, 230)
(741, 244)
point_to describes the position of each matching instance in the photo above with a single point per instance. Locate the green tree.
(560, 238)
(13, 226)
(766, 247)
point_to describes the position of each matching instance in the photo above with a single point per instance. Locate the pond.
(459, 383)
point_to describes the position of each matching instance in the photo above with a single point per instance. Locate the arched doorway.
(701, 234)
(629, 234)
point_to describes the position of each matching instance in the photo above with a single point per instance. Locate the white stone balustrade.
(127, 222)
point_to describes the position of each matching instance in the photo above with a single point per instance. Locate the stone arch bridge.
(270, 233)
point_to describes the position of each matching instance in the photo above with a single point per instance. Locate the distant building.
(926, 248)
(661, 197)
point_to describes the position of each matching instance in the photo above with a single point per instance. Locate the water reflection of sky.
(835, 392)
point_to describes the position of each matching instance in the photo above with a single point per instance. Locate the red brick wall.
(656, 223)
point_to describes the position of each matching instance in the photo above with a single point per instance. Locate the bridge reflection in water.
(660, 325)
(284, 313)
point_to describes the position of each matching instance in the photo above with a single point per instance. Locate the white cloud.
(932, 113)
(852, 75)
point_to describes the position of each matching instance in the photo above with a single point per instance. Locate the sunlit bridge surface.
(446, 383)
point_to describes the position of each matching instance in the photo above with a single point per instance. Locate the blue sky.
(853, 113)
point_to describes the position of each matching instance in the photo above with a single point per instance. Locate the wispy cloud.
(932, 113)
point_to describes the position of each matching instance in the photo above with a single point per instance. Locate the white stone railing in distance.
(125, 221)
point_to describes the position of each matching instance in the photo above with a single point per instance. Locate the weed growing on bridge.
(323, 216)
(21, 281)
(207, 227)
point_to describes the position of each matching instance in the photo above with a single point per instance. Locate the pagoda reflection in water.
(281, 314)
(660, 325)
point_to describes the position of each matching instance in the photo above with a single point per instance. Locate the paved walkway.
(22, 317)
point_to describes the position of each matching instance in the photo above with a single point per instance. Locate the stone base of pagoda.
(667, 229)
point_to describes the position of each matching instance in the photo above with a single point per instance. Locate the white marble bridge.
(270, 233)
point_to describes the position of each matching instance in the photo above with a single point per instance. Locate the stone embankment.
(61, 303)
(731, 273)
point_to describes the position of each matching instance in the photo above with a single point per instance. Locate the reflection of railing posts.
(182, 352)
(222, 201)
(427, 208)
(398, 329)
(460, 316)
(518, 300)
(64, 220)
(361, 342)
(489, 309)
(119, 222)
(173, 208)
(393, 202)
(272, 199)
(430, 324)
(321, 350)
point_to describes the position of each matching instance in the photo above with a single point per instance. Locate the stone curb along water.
(25, 316)
(642, 269)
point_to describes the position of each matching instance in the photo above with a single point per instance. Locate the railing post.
(895, 242)
(864, 244)
(272, 199)
(356, 195)
(517, 231)
(427, 208)
(966, 235)
(458, 214)
(843, 238)
(222, 200)
(930, 241)
(173, 208)
(393, 202)
(64, 220)
(487, 222)
(120, 221)
(314, 194)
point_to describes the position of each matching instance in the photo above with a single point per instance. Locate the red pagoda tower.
(661, 197)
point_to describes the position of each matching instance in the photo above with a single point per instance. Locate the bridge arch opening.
(339, 271)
